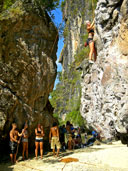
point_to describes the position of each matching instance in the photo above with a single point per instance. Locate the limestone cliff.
(27, 67)
(75, 13)
(104, 102)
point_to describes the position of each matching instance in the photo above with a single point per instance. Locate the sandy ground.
(95, 158)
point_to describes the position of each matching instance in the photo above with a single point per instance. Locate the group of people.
(16, 138)
(63, 137)
(73, 136)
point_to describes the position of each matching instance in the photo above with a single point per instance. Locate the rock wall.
(104, 102)
(27, 67)
(75, 13)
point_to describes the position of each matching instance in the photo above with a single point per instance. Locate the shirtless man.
(13, 142)
(54, 138)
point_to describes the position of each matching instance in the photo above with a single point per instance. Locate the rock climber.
(54, 138)
(14, 134)
(39, 132)
(25, 141)
(90, 41)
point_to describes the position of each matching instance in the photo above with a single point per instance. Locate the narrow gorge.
(93, 96)
(102, 86)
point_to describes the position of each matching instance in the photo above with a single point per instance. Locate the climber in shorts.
(54, 138)
(90, 41)
(14, 142)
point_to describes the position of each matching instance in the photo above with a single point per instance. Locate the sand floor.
(95, 158)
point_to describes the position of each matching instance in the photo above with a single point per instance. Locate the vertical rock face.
(75, 12)
(104, 101)
(27, 66)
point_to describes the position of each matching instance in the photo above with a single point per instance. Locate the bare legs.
(36, 148)
(92, 51)
(58, 150)
(69, 144)
(13, 158)
(41, 149)
(25, 149)
(53, 152)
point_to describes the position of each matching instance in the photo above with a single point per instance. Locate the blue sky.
(58, 20)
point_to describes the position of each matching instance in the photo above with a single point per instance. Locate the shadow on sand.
(6, 167)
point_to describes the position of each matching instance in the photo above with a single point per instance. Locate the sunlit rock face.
(104, 102)
(27, 67)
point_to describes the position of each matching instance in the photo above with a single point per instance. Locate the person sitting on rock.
(39, 140)
(90, 42)
(54, 138)
(25, 141)
(14, 142)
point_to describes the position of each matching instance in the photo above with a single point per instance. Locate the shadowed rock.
(27, 67)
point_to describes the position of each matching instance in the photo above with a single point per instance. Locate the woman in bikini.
(25, 141)
(90, 42)
(39, 140)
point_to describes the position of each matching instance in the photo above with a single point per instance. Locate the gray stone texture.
(104, 102)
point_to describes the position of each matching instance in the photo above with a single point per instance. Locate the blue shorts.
(38, 139)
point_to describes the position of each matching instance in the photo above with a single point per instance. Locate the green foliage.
(81, 55)
(66, 32)
(75, 118)
(60, 97)
(63, 5)
(47, 4)
(7, 3)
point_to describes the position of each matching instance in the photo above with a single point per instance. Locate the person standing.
(25, 141)
(39, 132)
(14, 142)
(69, 135)
(54, 138)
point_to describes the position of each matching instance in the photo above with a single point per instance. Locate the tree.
(47, 4)
(50, 4)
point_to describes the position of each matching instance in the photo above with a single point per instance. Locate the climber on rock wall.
(90, 42)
